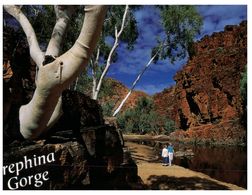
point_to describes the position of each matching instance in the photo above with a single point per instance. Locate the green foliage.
(143, 119)
(243, 85)
(243, 91)
(84, 84)
(181, 23)
(169, 126)
(74, 28)
(114, 19)
(106, 88)
(129, 35)
(220, 49)
(107, 109)
(43, 19)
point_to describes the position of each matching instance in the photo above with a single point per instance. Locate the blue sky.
(160, 76)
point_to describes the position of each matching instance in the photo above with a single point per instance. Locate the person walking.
(170, 153)
(165, 155)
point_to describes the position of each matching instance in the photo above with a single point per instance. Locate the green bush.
(107, 108)
(144, 119)
(169, 126)
(243, 91)
(243, 85)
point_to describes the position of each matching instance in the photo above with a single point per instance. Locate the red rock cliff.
(206, 101)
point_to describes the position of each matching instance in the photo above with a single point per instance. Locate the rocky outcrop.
(78, 152)
(61, 162)
(206, 102)
(165, 103)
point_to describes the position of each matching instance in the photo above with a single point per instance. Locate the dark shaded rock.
(79, 112)
(87, 153)
(67, 171)
(74, 166)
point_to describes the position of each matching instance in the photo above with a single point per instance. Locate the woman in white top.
(165, 156)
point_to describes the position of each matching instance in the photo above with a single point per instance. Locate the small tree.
(107, 109)
(243, 91)
(143, 119)
(243, 86)
(169, 126)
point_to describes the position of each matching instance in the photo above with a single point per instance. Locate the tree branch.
(63, 15)
(94, 71)
(35, 51)
(123, 21)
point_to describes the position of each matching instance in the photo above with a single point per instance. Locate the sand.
(158, 177)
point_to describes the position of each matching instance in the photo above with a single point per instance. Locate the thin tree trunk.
(76, 84)
(134, 84)
(116, 43)
(94, 66)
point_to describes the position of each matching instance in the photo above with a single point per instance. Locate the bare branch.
(35, 51)
(112, 51)
(63, 15)
(123, 21)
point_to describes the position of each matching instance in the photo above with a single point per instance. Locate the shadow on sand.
(165, 182)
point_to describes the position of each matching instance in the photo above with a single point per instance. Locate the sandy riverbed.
(156, 176)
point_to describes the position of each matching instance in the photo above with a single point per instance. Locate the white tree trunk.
(115, 45)
(76, 83)
(54, 77)
(94, 67)
(134, 84)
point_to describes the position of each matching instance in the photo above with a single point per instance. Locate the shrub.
(107, 109)
(243, 91)
(169, 126)
(144, 119)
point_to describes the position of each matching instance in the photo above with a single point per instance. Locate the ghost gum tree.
(181, 24)
(120, 26)
(56, 71)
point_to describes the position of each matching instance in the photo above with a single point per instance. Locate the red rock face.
(165, 103)
(207, 91)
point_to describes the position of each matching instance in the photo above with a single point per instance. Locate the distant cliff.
(206, 102)
(117, 93)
